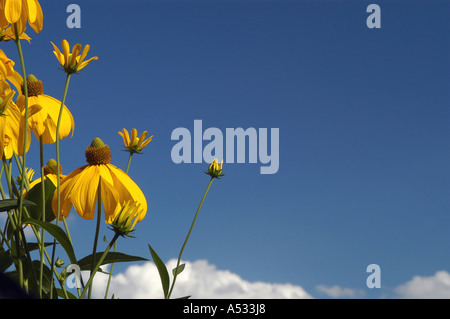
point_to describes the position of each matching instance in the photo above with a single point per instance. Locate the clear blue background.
(363, 117)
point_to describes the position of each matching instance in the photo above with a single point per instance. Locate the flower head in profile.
(81, 187)
(19, 12)
(135, 144)
(215, 169)
(125, 218)
(44, 122)
(72, 62)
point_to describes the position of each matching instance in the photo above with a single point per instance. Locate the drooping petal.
(128, 189)
(66, 187)
(84, 192)
(38, 24)
(52, 106)
(31, 10)
(13, 10)
(109, 194)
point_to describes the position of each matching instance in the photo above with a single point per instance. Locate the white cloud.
(340, 292)
(436, 287)
(198, 280)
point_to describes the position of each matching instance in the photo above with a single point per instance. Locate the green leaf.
(177, 270)
(8, 204)
(57, 233)
(5, 260)
(35, 195)
(112, 257)
(163, 274)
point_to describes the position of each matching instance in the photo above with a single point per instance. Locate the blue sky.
(363, 119)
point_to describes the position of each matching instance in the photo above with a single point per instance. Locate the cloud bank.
(199, 279)
(436, 287)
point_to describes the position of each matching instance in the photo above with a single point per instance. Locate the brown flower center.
(35, 87)
(98, 153)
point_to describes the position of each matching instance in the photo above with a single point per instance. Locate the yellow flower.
(11, 127)
(215, 169)
(126, 217)
(135, 144)
(80, 188)
(19, 12)
(72, 62)
(44, 122)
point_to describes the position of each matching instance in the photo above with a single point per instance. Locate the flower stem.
(25, 134)
(99, 218)
(187, 237)
(129, 162)
(99, 263)
(58, 178)
(58, 125)
(41, 249)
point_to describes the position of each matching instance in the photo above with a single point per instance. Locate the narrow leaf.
(57, 233)
(8, 204)
(163, 274)
(112, 257)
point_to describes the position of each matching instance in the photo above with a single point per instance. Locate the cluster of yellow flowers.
(87, 188)
(79, 188)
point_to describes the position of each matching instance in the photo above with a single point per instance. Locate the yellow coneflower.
(44, 122)
(72, 62)
(135, 144)
(80, 188)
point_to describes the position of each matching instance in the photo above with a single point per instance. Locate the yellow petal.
(31, 10)
(66, 49)
(38, 23)
(142, 137)
(82, 65)
(84, 53)
(13, 10)
(66, 187)
(126, 138)
(58, 54)
(133, 135)
(84, 192)
(128, 189)
(109, 194)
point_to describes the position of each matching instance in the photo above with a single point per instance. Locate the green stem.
(99, 263)
(97, 229)
(41, 273)
(129, 161)
(110, 273)
(115, 246)
(25, 93)
(25, 134)
(187, 237)
(58, 182)
(58, 178)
